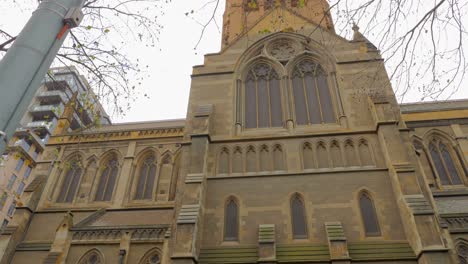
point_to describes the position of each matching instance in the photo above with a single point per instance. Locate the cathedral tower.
(241, 15)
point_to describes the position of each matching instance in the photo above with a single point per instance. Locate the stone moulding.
(114, 234)
(456, 223)
(419, 205)
(118, 136)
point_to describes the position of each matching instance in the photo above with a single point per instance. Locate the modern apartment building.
(60, 87)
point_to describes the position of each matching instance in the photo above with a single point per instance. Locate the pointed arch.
(153, 256)
(322, 155)
(350, 154)
(365, 154)
(231, 219)
(424, 160)
(251, 159)
(447, 164)
(71, 179)
(108, 176)
(278, 158)
(298, 217)
(265, 158)
(223, 161)
(93, 256)
(313, 102)
(145, 176)
(308, 156)
(368, 214)
(262, 95)
(462, 251)
(335, 153)
(88, 179)
(237, 164)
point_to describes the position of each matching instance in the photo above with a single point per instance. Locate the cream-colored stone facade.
(362, 185)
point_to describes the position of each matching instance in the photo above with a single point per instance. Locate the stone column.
(125, 176)
(462, 140)
(189, 224)
(59, 250)
(416, 212)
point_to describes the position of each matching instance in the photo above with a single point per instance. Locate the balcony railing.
(23, 144)
(55, 110)
(49, 125)
(53, 96)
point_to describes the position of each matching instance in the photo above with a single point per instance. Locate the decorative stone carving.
(283, 49)
(115, 234)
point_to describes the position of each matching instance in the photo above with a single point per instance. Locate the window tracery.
(107, 180)
(70, 182)
(146, 178)
(312, 97)
(444, 162)
(369, 215)
(298, 216)
(263, 106)
(92, 257)
(462, 251)
(231, 221)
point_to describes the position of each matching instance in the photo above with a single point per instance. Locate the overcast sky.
(170, 63)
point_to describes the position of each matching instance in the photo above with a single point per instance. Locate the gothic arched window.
(298, 217)
(444, 162)
(223, 161)
(231, 221)
(262, 97)
(70, 182)
(369, 216)
(107, 180)
(462, 251)
(312, 98)
(151, 258)
(92, 257)
(146, 178)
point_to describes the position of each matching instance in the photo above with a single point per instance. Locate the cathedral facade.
(294, 150)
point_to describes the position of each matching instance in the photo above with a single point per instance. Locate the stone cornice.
(117, 136)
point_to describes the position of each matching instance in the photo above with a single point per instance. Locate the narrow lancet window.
(107, 180)
(70, 182)
(146, 179)
(299, 222)
(444, 163)
(312, 98)
(263, 97)
(369, 216)
(231, 221)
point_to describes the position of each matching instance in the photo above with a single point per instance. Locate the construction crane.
(28, 59)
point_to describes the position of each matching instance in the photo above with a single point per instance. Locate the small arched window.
(265, 158)
(237, 164)
(70, 182)
(278, 158)
(308, 156)
(92, 257)
(365, 153)
(223, 161)
(368, 214)
(312, 98)
(322, 155)
(152, 257)
(350, 153)
(146, 178)
(298, 217)
(462, 251)
(251, 159)
(262, 97)
(335, 153)
(231, 221)
(107, 180)
(444, 163)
